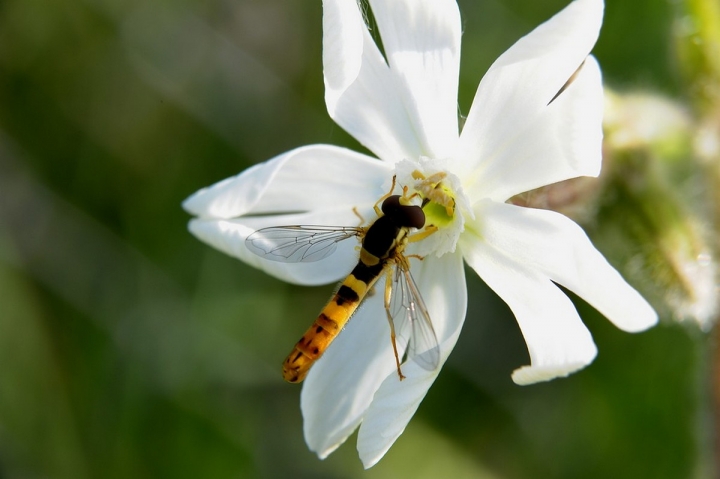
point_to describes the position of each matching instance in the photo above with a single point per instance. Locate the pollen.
(438, 197)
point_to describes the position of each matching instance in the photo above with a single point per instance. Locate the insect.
(398, 223)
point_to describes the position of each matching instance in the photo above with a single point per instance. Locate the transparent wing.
(412, 321)
(299, 244)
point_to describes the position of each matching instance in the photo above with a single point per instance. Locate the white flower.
(527, 127)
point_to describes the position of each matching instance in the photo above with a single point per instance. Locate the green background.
(129, 349)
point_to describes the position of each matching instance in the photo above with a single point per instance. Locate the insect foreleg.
(387, 195)
(420, 235)
(388, 298)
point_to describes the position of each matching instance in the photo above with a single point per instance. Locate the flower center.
(438, 198)
(442, 201)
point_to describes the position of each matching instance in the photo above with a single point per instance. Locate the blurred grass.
(130, 349)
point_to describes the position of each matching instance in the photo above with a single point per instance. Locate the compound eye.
(391, 205)
(413, 216)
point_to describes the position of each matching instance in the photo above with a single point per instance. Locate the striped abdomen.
(331, 320)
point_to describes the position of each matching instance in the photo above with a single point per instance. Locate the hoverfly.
(381, 254)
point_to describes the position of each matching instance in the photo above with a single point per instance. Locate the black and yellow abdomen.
(331, 321)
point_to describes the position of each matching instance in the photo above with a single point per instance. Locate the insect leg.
(357, 213)
(422, 234)
(387, 195)
(388, 297)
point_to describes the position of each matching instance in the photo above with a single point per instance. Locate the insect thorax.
(383, 237)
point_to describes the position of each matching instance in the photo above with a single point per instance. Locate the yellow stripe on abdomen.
(330, 322)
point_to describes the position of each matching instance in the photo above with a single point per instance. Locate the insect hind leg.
(388, 296)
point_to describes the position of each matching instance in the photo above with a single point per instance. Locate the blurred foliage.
(130, 349)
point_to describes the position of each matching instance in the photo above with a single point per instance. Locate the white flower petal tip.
(324, 453)
(527, 375)
(223, 235)
(641, 318)
(230, 197)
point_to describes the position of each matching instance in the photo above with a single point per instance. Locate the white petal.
(422, 44)
(556, 246)
(309, 178)
(361, 94)
(342, 44)
(516, 136)
(340, 386)
(557, 340)
(313, 185)
(442, 284)
(563, 142)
